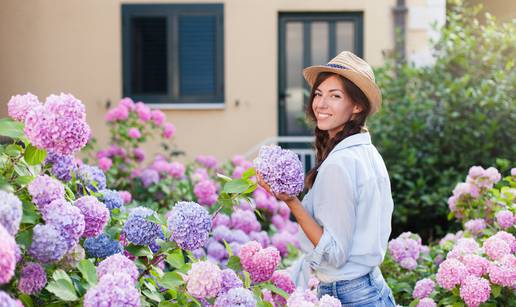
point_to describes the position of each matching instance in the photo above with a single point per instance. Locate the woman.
(346, 214)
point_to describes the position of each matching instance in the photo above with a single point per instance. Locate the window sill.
(187, 106)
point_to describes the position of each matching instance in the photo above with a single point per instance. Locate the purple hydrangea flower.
(139, 230)
(115, 264)
(92, 177)
(236, 297)
(7, 301)
(32, 278)
(67, 219)
(221, 219)
(111, 199)
(475, 226)
(47, 244)
(149, 177)
(222, 232)
(245, 221)
(113, 290)
(96, 215)
(189, 224)
(102, 246)
(7, 256)
(261, 237)
(281, 241)
(19, 106)
(216, 250)
(44, 189)
(281, 169)
(62, 165)
(239, 236)
(10, 212)
(230, 280)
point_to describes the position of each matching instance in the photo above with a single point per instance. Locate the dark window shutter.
(197, 55)
(149, 55)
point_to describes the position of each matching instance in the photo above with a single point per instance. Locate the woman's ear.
(357, 109)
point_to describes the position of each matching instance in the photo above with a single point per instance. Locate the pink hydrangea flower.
(329, 301)
(176, 170)
(475, 290)
(507, 237)
(19, 106)
(426, 302)
(134, 133)
(206, 192)
(105, 164)
(204, 280)
(126, 196)
(157, 117)
(505, 219)
(451, 272)
(496, 248)
(143, 111)
(7, 256)
(463, 247)
(503, 271)
(168, 130)
(283, 281)
(118, 113)
(423, 288)
(476, 265)
(260, 263)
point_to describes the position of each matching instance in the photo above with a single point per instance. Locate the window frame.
(172, 12)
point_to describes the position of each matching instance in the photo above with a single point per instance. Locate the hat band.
(336, 66)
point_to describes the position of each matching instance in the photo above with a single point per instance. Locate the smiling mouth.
(323, 115)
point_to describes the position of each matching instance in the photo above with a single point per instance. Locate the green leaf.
(88, 271)
(62, 286)
(247, 279)
(30, 215)
(27, 300)
(458, 304)
(24, 180)
(34, 156)
(275, 289)
(24, 238)
(250, 172)
(13, 150)
(228, 248)
(236, 186)
(171, 280)
(139, 250)
(263, 304)
(224, 177)
(11, 128)
(414, 303)
(496, 290)
(176, 259)
(167, 304)
(234, 263)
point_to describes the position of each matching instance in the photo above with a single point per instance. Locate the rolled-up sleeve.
(334, 209)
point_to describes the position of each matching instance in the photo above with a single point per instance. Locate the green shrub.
(439, 120)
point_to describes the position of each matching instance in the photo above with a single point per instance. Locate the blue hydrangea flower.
(102, 246)
(139, 230)
(111, 199)
(92, 177)
(189, 224)
(10, 212)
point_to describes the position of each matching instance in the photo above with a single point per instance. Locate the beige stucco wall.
(49, 46)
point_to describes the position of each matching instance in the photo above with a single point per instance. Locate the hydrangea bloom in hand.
(281, 169)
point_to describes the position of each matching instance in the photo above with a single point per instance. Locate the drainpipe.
(400, 16)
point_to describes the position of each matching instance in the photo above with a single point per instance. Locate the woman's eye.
(318, 94)
(336, 96)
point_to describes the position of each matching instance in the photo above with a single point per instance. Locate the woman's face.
(332, 106)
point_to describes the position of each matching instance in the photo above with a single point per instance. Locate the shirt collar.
(353, 140)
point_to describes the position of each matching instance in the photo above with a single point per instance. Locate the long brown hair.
(323, 143)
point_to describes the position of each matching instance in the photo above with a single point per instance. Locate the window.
(173, 53)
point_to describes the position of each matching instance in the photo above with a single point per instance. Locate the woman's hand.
(280, 196)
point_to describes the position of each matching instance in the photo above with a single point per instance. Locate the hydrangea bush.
(69, 237)
(474, 266)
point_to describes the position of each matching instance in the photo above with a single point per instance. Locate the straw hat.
(354, 69)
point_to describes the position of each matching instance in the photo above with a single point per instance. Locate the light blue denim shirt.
(351, 199)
